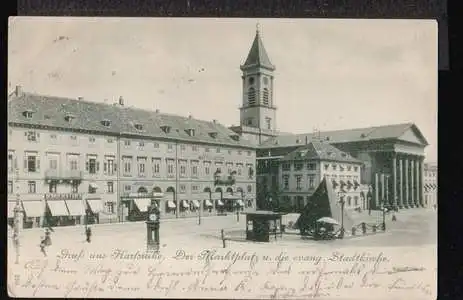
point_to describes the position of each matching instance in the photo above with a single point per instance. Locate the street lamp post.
(199, 214)
(384, 217)
(17, 217)
(341, 196)
(369, 199)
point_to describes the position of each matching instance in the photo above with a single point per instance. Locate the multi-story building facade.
(300, 172)
(69, 159)
(430, 185)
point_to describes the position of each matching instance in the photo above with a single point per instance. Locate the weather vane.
(257, 27)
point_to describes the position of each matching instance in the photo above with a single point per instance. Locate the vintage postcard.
(222, 158)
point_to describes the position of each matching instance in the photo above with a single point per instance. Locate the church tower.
(258, 111)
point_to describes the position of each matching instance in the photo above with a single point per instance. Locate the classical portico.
(408, 177)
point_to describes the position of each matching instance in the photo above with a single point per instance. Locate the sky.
(330, 73)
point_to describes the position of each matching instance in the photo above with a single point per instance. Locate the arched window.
(157, 190)
(170, 190)
(252, 97)
(142, 190)
(207, 190)
(218, 190)
(230, 190)
(265, 95)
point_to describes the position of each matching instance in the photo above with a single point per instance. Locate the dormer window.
(28, 114)
(138, 126)
(106, 123)
(235, 137)
(213, 134)
(165, 128)
(69, 117)
(190, 132)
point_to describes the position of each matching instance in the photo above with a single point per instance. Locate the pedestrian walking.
(47, 237)
(88, 234)
(43, 246)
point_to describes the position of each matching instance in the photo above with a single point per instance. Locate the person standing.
(88, 234)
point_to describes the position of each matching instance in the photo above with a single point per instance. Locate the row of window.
(52, 188)
(33, 136)
(298, 166)
(92, 165)
(341, 167)
(299, 200)
(311, 182)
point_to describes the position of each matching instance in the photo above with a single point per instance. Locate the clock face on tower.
(153, 217)
(251, 80)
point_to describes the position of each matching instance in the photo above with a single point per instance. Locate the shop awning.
(185, 204)
(142, 203)
(219, 203)
(93, 185)
(334, 183)
(11, 206)
(75, 207)
(231, 197)
(58, 208)
(96, 205)
(342, 182)
(208, 203)
(240, 203)
(196, 203)
(171, 204)
(33, 208)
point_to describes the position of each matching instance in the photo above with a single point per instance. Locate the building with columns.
(392, 155)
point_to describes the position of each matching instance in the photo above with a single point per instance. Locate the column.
(418, 182)
(394, 180)
(421, 182)
(376, 190)
(406, 187)
(401, 180)
(412, 183)
(383, 190)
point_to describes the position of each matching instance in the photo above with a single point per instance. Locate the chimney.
(80, 98)
(157, 110)
(190, 117)
(306, 140)
(18, 91)
(214, 121)
(121, 101)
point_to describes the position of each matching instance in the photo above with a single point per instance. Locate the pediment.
(413, 135)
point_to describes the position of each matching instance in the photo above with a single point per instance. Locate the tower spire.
(257, 28)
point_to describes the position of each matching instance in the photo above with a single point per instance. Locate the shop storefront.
(94, 205)
(232, 202)
(138, 205)
(170, 205)
(208, 206)
(219, 205)
(76, 208)
(57, 213)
